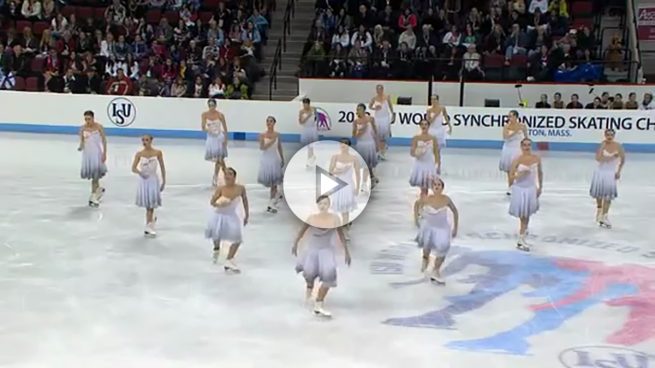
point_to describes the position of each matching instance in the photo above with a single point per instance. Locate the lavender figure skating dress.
(309, 132)
(603, 182)
(437, 130)
(434, 231)
(92, 166)
(383, 120)
(225, 224)
(366, 146)
(317, 259)
(524, 201)
(148, 194)
(424, 169)
(511, 150)
(215, 148)
(345, 200)
(270, 165)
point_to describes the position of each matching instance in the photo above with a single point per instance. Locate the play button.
(327, 169)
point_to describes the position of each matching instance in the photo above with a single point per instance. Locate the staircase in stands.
(300, 22)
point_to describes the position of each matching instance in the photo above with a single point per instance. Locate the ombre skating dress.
(318, 256)
(215, 148)
(270, 165)
(92, 166)
(148, 194)
(424, 170)
(525, 202)
(603, 182)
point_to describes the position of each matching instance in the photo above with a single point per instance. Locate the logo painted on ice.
(605, 357)
(323, 121)
(570, 286)
(121, 112)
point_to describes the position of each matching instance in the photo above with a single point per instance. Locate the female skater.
(437, 115)
(149, 190)
(425, 151)
(384, 116)
(610, 157)
(513, 134)
(524, 175)
(347, 168)
(435, 233)
(93, 144)
(317, 261)
(309, 134)
(213, 123)
(225, 224)
(271, 163)
(366, 133)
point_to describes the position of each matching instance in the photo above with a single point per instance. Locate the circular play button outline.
(305, 180)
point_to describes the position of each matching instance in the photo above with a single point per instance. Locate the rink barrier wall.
(473, 127)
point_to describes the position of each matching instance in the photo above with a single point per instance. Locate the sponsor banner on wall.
(173, 117)
(646, 22)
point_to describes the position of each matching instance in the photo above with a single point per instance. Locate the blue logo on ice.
(605, 357)
(323, 121)
(121, 112)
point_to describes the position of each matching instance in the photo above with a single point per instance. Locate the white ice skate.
(215, 255)
(605, 222)
(309, 297)
(346, 233)
(272, 206)
(93, 200)
(311, 162)
(231, 267)
(149, 231)
(436, 278)
(599, 215)
(215, 181)
(522, 244)
(320, 312)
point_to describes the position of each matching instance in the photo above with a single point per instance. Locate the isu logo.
(121, 112)
(323, 121)
(602, 357)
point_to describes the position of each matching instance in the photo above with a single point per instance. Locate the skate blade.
(522, 248)
(321, 315)
(149, 236)
(231, 271)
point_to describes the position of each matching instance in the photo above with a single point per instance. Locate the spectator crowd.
(604, 101)
(170, 48)
(491, 39)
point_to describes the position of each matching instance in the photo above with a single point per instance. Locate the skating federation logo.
(323, 121)
(121, 112)
(559, 290)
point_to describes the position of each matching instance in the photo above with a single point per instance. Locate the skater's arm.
(599, 152)
(135, 163)
(301, 115)
(246, 206)
(221, 117)
(279, 149)
(412, 149)
(81, 134)
(358, 175)
(506, 132)
(512, 171)
(344, 244)
(215, 196)
(372, 103)
(622, 160)
(203, 122)
(160, 158)
(393, 113)
(540, 174)
(103, 136)
(524, 129)
(262, 145)
(453, 208)
(333, 164)
(418, 205)
(447, 120)
(301, 233)
(435, 151)
(355, 135)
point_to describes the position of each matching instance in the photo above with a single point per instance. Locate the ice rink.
(82, 287)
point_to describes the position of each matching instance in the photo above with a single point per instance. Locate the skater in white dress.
(435, 232)
(309, 133)
(425, 151)
(323, 234)
(438, 118)
(213, 123)
(514, 132)
(384, 117)
(611, 158)
(93, 145)
(347, 168)
(527, 183)
(224, 224)
(148, 195)
(366, 134)
(271, 163)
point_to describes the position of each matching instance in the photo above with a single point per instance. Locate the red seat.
(153, 16)
(583, 22)
(32, 84)
(99, 13)
(206, 16)
(66, 11)
(173, 17)
(582, 8)
(8, 23)
(210, 4)
(520, 61)
(39, 27)
(83, 12)
(38, 64)
(20, 84)
(21, 24)
(494, 61)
